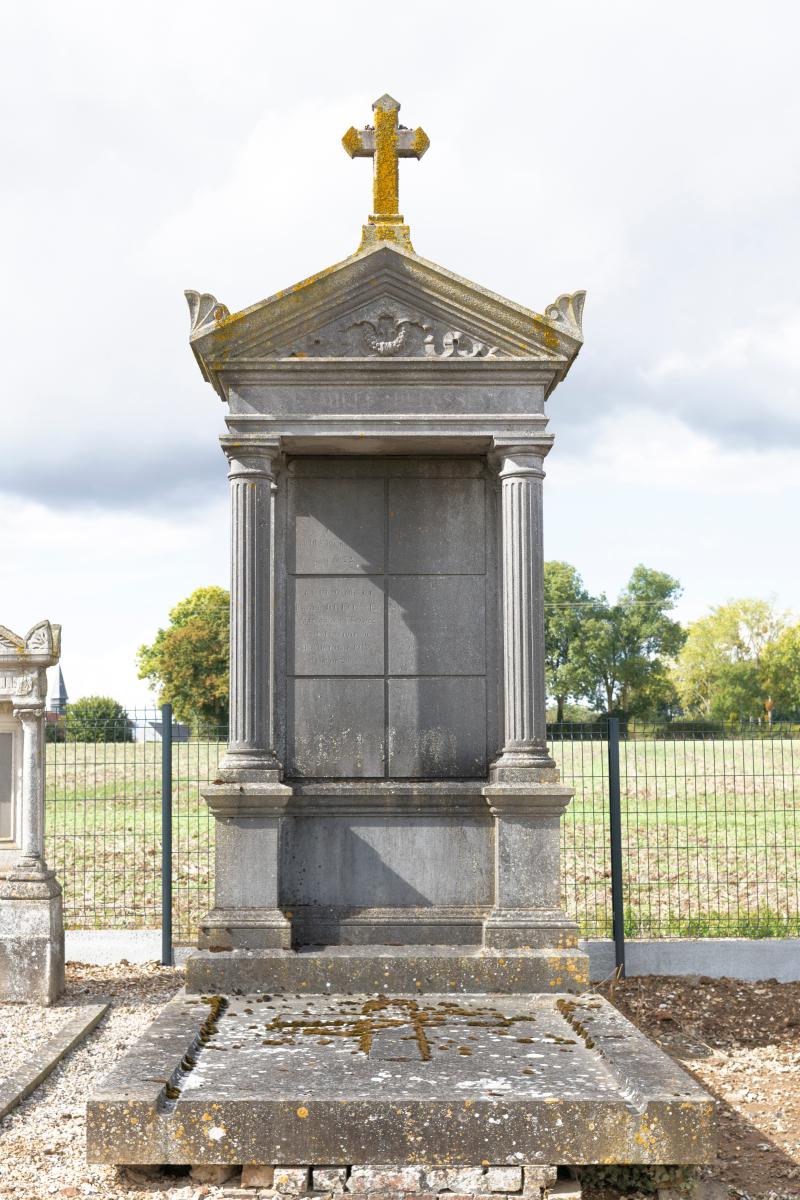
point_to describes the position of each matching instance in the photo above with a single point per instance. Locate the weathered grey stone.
(437, 728)
(31, 913)
(503, 1179)
(487, 1078)
(385, 1179)
(254, 1176)
(382, 660)
(336, 728)
(437, 526)
(373, 968)
(455, 1179)
(339, 525)
(214, 1174)
(329, 1179)
(337, 626)
(527, 903)
(427, 617)
(291, 1181)
(535, 1178)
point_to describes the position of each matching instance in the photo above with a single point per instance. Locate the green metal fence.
(709, 827)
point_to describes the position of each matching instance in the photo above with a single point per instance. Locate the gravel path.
(42, 1142)
(742, 1041)
(23, 1027)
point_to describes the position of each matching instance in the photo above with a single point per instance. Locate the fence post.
(166, 835)
(615, 831)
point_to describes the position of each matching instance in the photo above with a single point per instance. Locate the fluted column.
(248, 800)
(524, 795)
(250, 743)
(525, 741)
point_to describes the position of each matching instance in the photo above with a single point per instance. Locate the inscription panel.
(437, 526)
(339, 526)
(386, 610)
(336, 728)
(6, 785)
(437, 625)
(336, 626)
(437, 728)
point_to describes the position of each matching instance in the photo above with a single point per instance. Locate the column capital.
(250, 458)
(520, 458)
(24, 710)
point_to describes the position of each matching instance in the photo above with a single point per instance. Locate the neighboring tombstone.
(31, 913)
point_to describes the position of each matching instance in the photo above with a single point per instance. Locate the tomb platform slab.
(333, 970)
(439, 1080)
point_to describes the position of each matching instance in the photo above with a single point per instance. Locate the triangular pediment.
(384, 302)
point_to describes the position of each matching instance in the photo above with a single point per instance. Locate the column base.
(249, 766)
(30, 880)
(31, 938)
(524, 766)
(529, 929)
(244, 929)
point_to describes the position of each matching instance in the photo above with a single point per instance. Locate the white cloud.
(770, 344)
(660, 451)
(108, 578)
(638, 151)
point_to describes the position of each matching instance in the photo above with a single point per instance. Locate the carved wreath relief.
(393, 334)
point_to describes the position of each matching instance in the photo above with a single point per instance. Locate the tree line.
(631, 655)
(628, 655)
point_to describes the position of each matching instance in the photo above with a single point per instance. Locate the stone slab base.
(433, 1081)
(360, 969)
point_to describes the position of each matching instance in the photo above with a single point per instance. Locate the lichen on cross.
(386, 142)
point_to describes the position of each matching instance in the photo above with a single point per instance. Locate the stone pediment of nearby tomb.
(388, 304)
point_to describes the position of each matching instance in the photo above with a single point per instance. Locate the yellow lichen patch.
(420, 142)
(353, 141)
(386, 199)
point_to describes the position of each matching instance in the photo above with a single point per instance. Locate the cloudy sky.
(649, 153)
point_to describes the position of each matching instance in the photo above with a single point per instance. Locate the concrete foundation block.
(31, 949)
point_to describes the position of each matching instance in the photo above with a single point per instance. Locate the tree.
(719, 671)
(188, 661)
(566, 603)
(780, 670)
(97, 719)
(626, 646)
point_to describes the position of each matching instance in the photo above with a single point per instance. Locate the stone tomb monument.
(31, 913)
(387, 975)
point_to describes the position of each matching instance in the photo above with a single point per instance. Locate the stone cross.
(386, 142)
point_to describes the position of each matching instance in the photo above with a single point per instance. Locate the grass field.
(710, 834)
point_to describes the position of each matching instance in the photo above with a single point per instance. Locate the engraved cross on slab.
(386, 142)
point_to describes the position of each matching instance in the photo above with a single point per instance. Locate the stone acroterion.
(385, 143)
